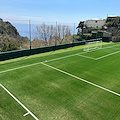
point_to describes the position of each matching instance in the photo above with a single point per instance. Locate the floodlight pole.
(30, 34)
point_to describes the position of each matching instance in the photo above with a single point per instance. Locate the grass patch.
(52, 95)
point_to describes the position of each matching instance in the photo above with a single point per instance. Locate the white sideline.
(50, 60)
(19, 67)
(110, 91)
(28, 111)
(62, 57)
(107, 55)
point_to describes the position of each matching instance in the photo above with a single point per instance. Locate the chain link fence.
(51, 33)
(27, 34)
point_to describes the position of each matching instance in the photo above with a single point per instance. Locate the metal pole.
(74, 28)
(56, 34)
(30, 34)
(73, 35)
(73, 32)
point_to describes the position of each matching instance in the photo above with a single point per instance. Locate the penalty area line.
(93, 84)
(107, 55)
(87, 57)
(99, 57)
(28, 111)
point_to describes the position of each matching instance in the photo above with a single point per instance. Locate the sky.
(65, 11)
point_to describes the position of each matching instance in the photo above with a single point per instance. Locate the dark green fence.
(27, 52)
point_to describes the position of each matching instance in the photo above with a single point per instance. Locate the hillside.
(10, 39)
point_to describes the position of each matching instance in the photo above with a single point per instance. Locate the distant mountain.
(10, 39)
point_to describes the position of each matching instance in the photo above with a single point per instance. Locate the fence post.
(56, 36)
(30, 34)
(73, 35)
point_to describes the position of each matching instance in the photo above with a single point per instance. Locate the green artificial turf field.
(67, 84)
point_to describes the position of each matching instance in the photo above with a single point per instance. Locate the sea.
(23, 29)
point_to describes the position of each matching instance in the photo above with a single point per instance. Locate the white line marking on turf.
(62, 57)
(20, 67)
(76, 54)
(50, 60)
(110, 91)
(107, 55)
(99, 57)
(28, 111)
(87, 57)
(26, 114)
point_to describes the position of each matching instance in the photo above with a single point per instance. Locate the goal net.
(93, 45)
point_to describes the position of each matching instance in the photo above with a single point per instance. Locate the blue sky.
(66, 11)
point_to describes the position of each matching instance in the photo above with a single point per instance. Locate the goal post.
(93, 44)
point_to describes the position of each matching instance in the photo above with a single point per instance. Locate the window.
(96, 21)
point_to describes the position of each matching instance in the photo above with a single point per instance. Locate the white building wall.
(95, 23)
